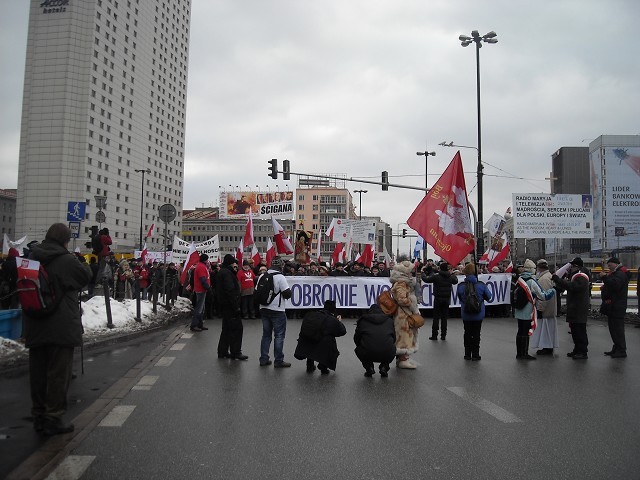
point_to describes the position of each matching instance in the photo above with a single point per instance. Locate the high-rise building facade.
(104, 100)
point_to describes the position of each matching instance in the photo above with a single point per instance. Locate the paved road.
(191, 415)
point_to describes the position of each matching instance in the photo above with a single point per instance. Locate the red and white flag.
(193, 257)
(144, 253)
(337, 254)
(509, 268)
(239, 251)
(248, 233)
(319, 251)
(150, 232)
(442, 217)
(255, 255)
(271, 252)
(283, 245)
(329, 232)
(497, 251)
(367, 255)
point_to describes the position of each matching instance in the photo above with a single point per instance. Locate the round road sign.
(167, 213)
(100, 217)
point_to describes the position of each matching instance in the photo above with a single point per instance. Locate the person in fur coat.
(403, 291)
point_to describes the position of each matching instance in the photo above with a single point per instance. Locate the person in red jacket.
(247, 278)
(201, 286)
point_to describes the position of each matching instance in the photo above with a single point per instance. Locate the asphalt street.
(184, 413)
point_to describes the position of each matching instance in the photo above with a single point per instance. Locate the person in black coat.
(375, 339)
(615, 290)
(442, 283)
(323, 348)
(228, 295)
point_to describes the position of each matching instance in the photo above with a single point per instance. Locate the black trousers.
(472, 335)
(50, 369)
(231, 334)
(579, 335)
(616, 329)
(367, 358)
(440, 314)
(523, 328)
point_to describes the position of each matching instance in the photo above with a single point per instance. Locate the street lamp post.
(360, 192)
(466, 41)
(143, 171)
(426, 164)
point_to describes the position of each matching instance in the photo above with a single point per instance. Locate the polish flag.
(255, 255)
(329, 232)
(497, 251)
(367, 255)
(193, 257)
(509, 268)
(319, 251)
(283, 245)
(271, 252)
(239, 251)
(337, 253)
(150, 232)
(144, 253)
(442, 217)
(248, 234)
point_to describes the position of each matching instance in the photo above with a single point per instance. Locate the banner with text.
(539, 215)
(362, 292)
(160, 257)
(364, 231)
(181, 249)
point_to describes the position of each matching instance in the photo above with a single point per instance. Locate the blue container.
(11, 324)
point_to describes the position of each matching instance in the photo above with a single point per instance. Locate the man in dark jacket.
(442, 283)
(615, 290)
(323, 348)
(51, 340)
(375, 339)
(578, 305)
(228, 295)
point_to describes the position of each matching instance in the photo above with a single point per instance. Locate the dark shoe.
(433, 337)
(238, 356)
(370, 372)
(266, 364)
(545, 351)
(56, 427)
(202, 328)
(443, 337)
(324, 371)
(571, 354)
(195, 329)
(311, 367)
(526, 356)
(580, 356)
(467, 357)
(224, 355)
(618, 355)
(384, 371)
(476, 358)
(467, 353)
(281, 365)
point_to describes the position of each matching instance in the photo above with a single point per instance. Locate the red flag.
(283, 245)
(337, 253)
(248, 234)
(509, 268)
(329, 232)
(144, 253)
(239, 252)
(255, 255)
(367, 255)
(193, 257)
(271, 252)
(150, 232)
(442, 217)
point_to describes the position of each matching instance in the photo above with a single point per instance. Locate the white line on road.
(165, 361)
(72, 467)
(117, 416)
(148, 380)
(177, 346)
(187, 335)
(485, 405)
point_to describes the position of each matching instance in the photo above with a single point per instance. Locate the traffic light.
(273, 168)
(94, 230)
(286, 168)
(385, 180)
(87, 244)
(404, 233)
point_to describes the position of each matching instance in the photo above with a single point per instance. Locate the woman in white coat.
(545, 336)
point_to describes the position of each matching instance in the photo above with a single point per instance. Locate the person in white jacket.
(545, 336)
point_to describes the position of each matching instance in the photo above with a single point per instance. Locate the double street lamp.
(426, 164)
(360, 201)
(143, 171)
(466, 41)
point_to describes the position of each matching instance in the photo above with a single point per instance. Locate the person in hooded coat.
(403, 291)
(375, 339)
(443, 282)
(472, 322)
(51, 340)
(545, 336)
(325, 350)
(228, 295)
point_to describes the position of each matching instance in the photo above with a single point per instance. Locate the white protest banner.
(155, 256)
(364, 231)
(211, 247)
(539, 215)
(362, 292)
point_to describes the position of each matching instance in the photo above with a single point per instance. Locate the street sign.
(76, 211)
(167, 213)
(75, 229)
(101, 217)
(619, 232)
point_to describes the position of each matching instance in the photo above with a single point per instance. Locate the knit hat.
(542, 261)
(276, 263)
(229, 260)
(614, 260)
(245, 262)
(330, 306)
(204, 257)
(444, 266)
(529, 266)
(577, 262)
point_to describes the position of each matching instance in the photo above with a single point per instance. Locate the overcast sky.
(356, 87)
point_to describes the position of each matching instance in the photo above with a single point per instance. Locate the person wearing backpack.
(273, 315)
(472, 295)
(51, 340)
(442, 284)
(317, 339)
(526, 313)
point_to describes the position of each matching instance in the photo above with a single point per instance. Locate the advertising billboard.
(540, 215)
(262, 204)
(615, 185)
(362, 231)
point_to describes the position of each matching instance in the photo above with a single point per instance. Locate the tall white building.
(105, 95)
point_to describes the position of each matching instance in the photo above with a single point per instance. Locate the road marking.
(148, 380)
(187, 335)
(117, 416)
(165, 361)
(485, 405)
(177, 346)
(72, 467)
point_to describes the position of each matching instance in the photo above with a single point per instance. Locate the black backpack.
(263, 292)
(472, 303)
(520, 298)
(96, 244)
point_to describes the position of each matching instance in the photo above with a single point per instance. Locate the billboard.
(615, 185)
(540, 215)
(363, 231)
(262, 204)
